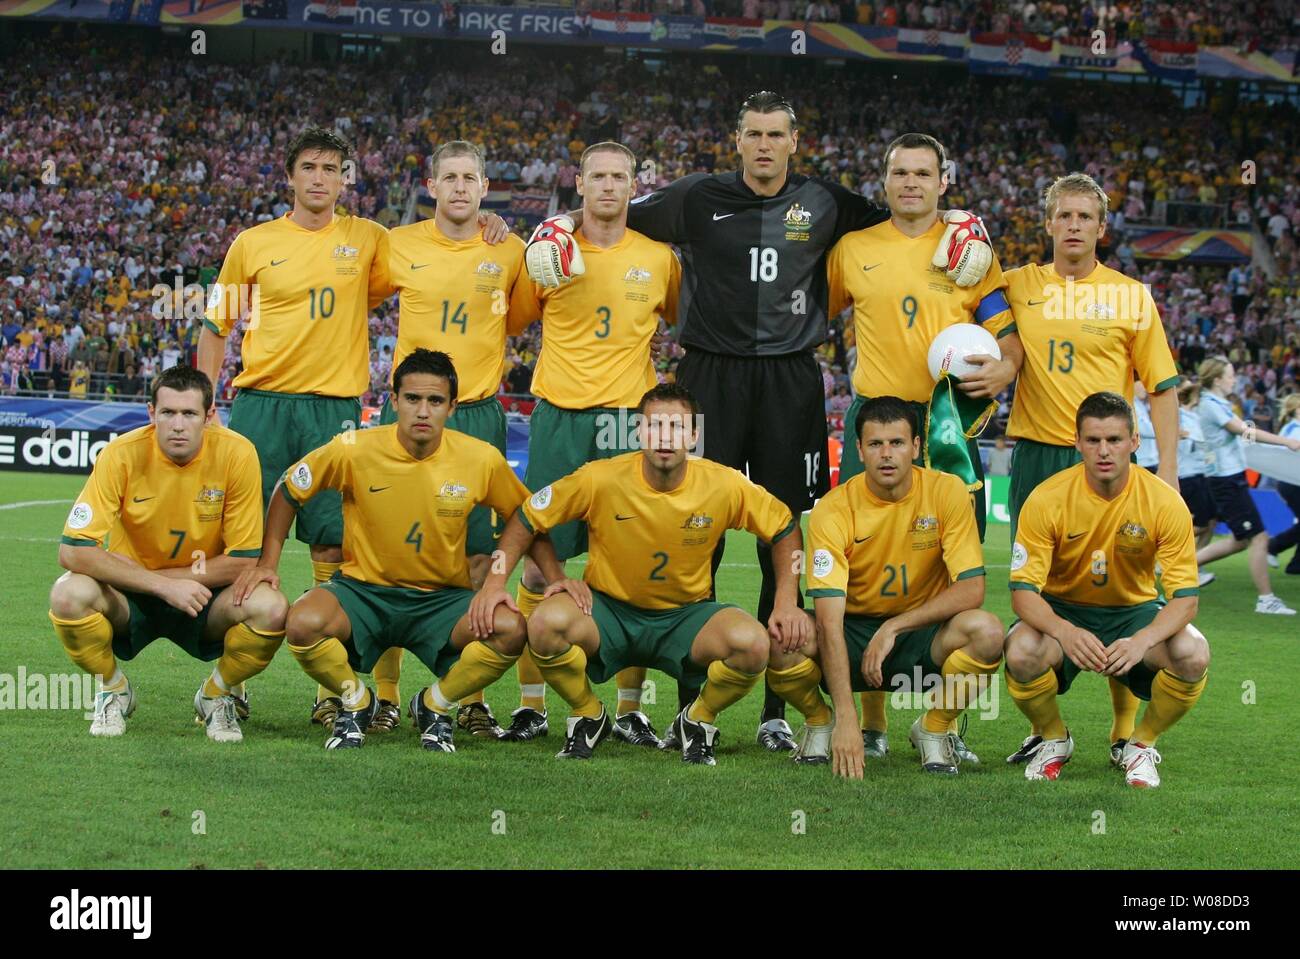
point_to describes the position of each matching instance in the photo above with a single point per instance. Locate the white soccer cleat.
(1204, 579)
(111, 711)
(1049, 757)
(1273, 561)
(813, 746)
(218, 716)
(938, 754)
(1140, 764)
(1273, 607)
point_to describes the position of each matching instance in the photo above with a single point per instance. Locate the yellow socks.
(479, 666)
(567, 675)
(527, 600)
(532, 689)
(326, 661)
(723, 687)
(1124, 707)
(387, 672)
(1037, 700)
(873, 711)
(1171, 698)
(247, 652)
(961, 673)
(629, 682)
(320, 572)
(89, 644)
(798, 686)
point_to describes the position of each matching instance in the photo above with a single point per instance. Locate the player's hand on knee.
(249, 580)
(187, 595)
(553, 257)
(495, 229)
(1123, 654)
(483, 610)
(964, 251)
(1083, 648)
(789, 627)
(578, 591)
(846, 750)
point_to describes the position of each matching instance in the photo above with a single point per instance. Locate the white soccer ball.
(950, 348)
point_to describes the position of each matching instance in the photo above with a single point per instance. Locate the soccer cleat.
(525, 723)
(219, 715)
(1204, 579)
(239, 693)
(699, 739)
(1049, 757)
(1026, 750)
(436, 729)
(875, 743)
(1273, 607)
(670, 742)
(388, 716)
(964, 753)
(814, 745)
(1273, 562)
(584, 735)
(775, 735)
(634, 728)
(111, 712)
(350, 725)
(936, 749)
(1117, 753)
(1140, 764)
(477, 718)
(324, 710)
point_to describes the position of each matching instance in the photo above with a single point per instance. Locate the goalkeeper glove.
(552, 256)
(964, 250)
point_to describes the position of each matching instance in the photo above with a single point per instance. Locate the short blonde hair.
(1211, 369)
(1075, 184)
(608, 146)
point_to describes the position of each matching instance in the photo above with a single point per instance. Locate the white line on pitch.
(34, 502)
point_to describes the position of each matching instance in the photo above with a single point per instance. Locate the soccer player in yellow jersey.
(1085, 328)
(594, 366)
(303, 285)
(897, 579)
(901, 302)
(407, 489)
(1083, 580)
(654, 518)
(169, 517)
(463, 296)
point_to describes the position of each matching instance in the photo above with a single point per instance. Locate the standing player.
(184, 509)
(754, 297)
(463, 296)
(1290, 492)
(1083, 580)
(408, 491)
(654, 518)
(1194, 459)
(1233, 504)
(901, 302)
(1085, 328)
(594, 366)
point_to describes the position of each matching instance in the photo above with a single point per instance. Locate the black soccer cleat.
(698, 739)
(670, 742)
(477, 719)
(584, 735)
(241, 701)
(1117, 753)
(350, 725)
(635, 729)
(1026, 750)
(525, 723)
(776, 736)
(436, 729)
(387, 717)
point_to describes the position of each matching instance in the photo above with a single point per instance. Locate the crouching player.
(183, 503)
(408, 491)
(1083, 576)
(897, 578)
(654, 518)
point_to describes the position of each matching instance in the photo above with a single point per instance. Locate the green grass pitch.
(164, 796)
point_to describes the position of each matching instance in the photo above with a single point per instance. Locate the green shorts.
(1031, 463)
(153, 618)
(655, 638)
(851, 462)
(386, 616)
(1107, 623)
(285, 427)
(484, 420)
(560, 441)
(899, 670)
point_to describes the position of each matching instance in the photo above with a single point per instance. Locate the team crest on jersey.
(698, 521)
(1131, 538)
(345, 260)
(452, 498)
(925, 532)
(637, 275)
(210, 503)
(488, 268)
(345, 252)
(798, 223)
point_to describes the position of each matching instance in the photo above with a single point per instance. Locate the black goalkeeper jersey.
(753, 267)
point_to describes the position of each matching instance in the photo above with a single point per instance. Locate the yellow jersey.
(652, 549)
(306, 297)
(1081, 337)
(463, 297)
(886, 558)
(901, 303)
(404, 519)
(138, 503)
(596, 330)
(1073, 545)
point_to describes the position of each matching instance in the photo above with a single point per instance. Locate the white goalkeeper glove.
(553, 257)
(964, 250)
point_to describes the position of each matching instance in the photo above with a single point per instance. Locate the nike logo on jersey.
(420, 267)
(871, 267)
(865, 538)
(379, 489)
(278, 262)
(1075, 535)
(141, 499)
(621, 518)
(721, 216)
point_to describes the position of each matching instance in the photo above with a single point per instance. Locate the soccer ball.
(950, 348)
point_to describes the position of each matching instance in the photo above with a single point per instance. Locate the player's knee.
(1024, 653)
(265, 609)
(1190, 655)
(549, 625)
(74, 596)
(509, 632)
(304, 625)
(750, 646)
(986, 637)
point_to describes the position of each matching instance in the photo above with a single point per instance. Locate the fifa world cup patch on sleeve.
(541, 499)
(1019, 556)
(301, 477)
(823, 563)
(80, 516)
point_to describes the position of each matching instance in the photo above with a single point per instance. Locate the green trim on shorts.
(655, 638)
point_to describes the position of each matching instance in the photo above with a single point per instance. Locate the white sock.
(631, 697)
(532, 690)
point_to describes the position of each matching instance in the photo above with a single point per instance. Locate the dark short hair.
(1102, 406)
(669, 393)
(917, 141)
(433, 362)
(316, 138)
(182, 378)
(884, 409)
(765, 101)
